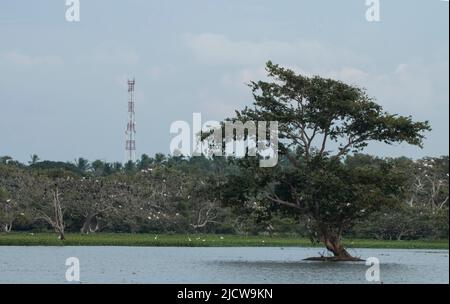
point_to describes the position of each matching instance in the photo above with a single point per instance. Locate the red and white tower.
(130, 148)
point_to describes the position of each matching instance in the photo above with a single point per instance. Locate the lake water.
(216, 265)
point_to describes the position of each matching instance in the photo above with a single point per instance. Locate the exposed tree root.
(334, 259)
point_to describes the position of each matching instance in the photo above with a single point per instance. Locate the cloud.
(408, 88)
(17, 58)
(158, 72)
(349, 75)
(412, 86)
(217, 107)
(417, 86)
(217, 49)
(238, 80)
(114, 54)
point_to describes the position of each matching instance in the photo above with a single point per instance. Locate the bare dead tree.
(436, 200)
(429, 185)
(417, 189)
(8, 213)
(55, 216)
(206, 214)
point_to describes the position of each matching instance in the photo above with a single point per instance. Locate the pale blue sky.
(63, 89)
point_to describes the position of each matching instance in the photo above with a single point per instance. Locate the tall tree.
(98, 167)
(320, 122)
(33, 159)
(82, 164)
(52, 212)
(145, 162)
(8, 211)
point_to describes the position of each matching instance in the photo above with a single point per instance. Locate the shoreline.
(200, 240)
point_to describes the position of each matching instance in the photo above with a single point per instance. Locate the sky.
(63, 91)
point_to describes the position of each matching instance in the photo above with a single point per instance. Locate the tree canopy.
(320, 122)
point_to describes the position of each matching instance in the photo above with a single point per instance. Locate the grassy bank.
(118, 239)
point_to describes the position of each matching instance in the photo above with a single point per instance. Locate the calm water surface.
(216, 265)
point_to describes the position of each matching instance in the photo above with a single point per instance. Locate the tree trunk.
(331, 238)
(334, 244)
(87, 224)
(59, 216)
(7, 227)
(61, 233)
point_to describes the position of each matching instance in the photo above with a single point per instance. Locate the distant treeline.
(163, 194)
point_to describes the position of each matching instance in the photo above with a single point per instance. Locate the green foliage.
(82, 164)
(405, 223)
(183, 190)
(55, 169)
(320, 121)
(314, 111)
(145, 162)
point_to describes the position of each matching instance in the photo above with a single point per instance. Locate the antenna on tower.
(130, 148)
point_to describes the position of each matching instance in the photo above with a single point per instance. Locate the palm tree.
(34, 159)
(145, 162)
(82, 164)
(98, 167)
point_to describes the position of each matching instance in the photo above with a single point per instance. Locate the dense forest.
(177, 195)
